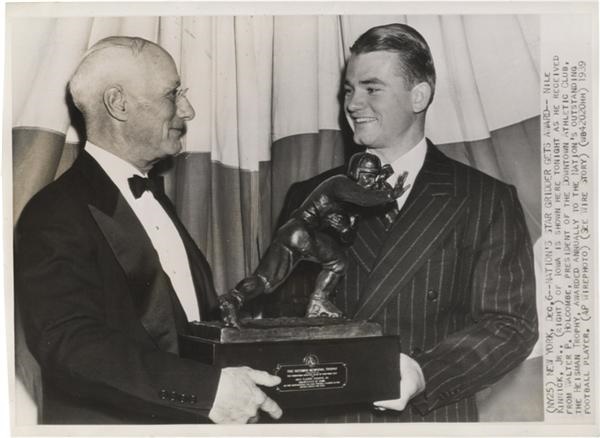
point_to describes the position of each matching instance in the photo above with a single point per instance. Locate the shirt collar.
(116, 168)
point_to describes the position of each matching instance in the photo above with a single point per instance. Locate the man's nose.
(185, 110)
(354, 101)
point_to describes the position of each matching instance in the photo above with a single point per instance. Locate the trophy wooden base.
(321, 361)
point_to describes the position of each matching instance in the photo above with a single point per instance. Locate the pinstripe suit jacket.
(453, 277)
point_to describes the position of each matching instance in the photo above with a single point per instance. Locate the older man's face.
(377, 103)
(159, 109)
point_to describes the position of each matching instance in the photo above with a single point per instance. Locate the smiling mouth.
(363, 120)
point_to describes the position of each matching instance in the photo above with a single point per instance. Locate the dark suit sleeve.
(503, 312)
(75, 333)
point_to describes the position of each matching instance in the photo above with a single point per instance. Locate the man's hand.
(412, 384)
(400, 188)
(238, 399)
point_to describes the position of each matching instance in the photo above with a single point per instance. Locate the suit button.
(432, 295)
(415, 351)
(173, 396)
(193, 399)
(163, 394)
(183, 398)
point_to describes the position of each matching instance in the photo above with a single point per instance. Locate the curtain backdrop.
(266, 94)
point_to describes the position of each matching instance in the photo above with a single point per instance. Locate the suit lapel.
(431, 210)
(370, 237)
(150, 287)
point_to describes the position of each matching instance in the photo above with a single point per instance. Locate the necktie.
(139, 185)
(392, 212)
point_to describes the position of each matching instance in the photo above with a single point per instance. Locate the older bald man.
(106, 274)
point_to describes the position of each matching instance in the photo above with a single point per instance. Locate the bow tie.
(139, 185)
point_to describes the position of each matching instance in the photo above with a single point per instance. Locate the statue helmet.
(363, 162)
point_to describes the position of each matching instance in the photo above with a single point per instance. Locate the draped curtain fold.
(266, 94)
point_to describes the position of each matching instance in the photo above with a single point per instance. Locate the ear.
(115, 102)
(421, 95)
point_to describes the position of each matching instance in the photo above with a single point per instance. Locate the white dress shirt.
(410, 162)
(158, 225)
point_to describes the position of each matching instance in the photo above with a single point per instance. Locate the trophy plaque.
(321, 361)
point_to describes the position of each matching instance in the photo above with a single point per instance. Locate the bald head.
(112, 61)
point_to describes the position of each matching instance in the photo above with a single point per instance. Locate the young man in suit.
(452, 272)
(106, 274)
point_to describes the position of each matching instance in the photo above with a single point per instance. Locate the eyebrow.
(369, 81)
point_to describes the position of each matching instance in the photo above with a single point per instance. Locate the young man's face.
(160, 110)
(377, 102)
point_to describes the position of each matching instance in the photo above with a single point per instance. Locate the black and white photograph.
(297, 219)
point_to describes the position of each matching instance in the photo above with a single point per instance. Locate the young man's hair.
(416, 63)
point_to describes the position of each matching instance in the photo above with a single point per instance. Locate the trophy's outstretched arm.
(341, 188)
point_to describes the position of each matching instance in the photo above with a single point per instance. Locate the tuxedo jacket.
(453, 277)
(99, 313)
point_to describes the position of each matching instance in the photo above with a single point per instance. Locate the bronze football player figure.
(317, 231)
